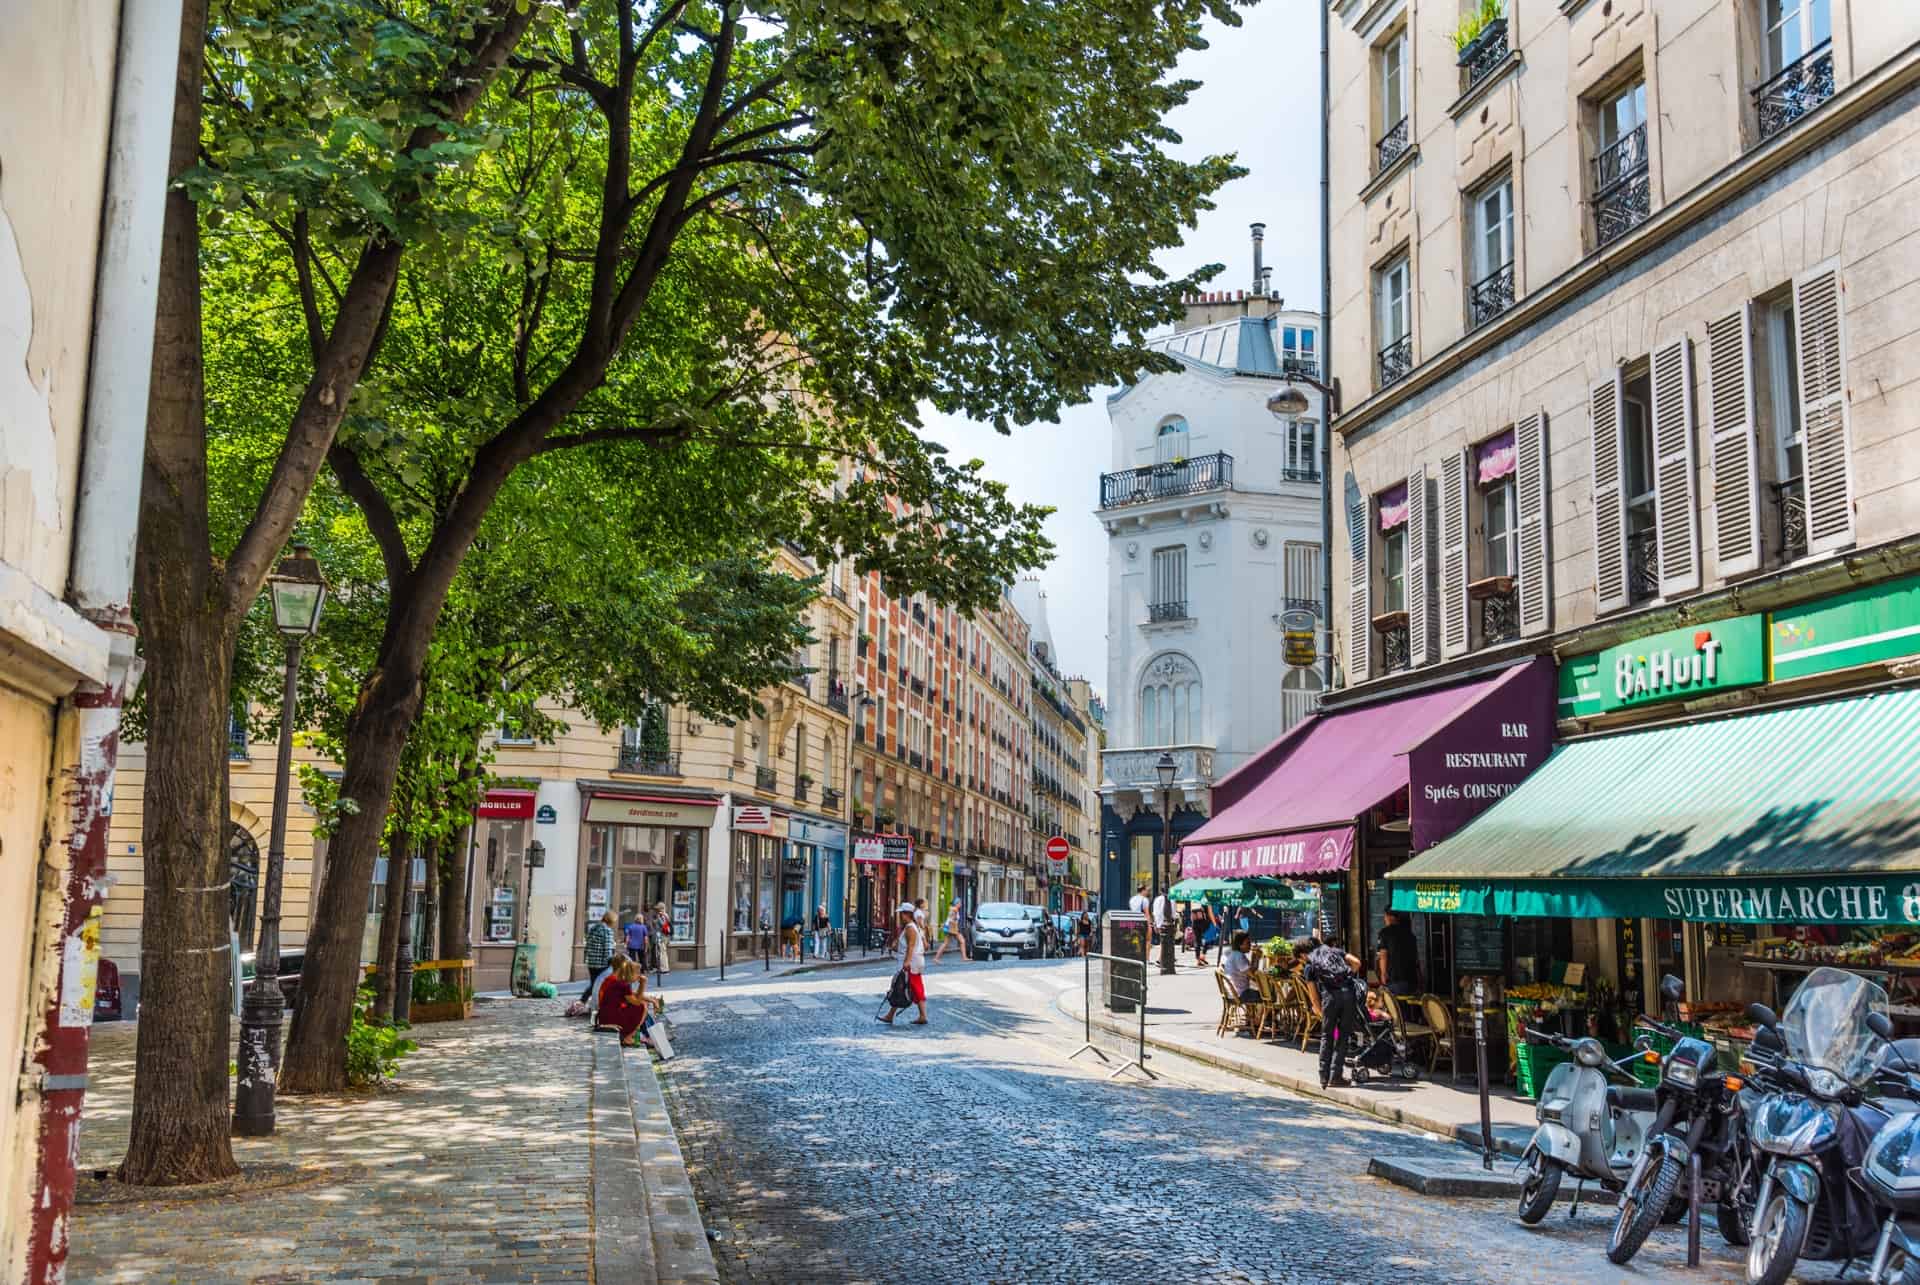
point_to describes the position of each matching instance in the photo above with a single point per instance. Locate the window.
(1169, 584)
(1780, 358)
(1300, 577)
(1303, 451)
(1392, 320)
(1170, 443)
(1394, 570)
(1502, 533)
(1392, 71)
(1492, 224)
(1621, 197)
(1796, 28)
(1637, 482)
(1297, 351)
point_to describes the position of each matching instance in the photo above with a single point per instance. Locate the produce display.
(1865, 948)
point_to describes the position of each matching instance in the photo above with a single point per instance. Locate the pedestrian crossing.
(980, 988)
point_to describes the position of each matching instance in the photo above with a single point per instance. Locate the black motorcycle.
(1698, 1114)
(1891, 1171)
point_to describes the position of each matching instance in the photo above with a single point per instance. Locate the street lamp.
(297, 591)
(1165, 770)
(1291, 403)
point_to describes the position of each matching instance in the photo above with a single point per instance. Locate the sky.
(1259, 99)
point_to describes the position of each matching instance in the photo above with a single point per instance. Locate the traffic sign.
(1057, 847)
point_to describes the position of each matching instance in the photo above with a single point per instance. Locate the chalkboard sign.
(1479, 944)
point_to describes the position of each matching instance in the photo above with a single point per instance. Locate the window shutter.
(1823, 411)
(1530, 502)
(1359, 614)
(1676, 487)
(1421, 641)
(1609, 503)
(1453, 555)
(1736, 474)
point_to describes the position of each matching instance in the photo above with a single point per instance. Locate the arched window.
(1170, 706)
(243, 869)
(1170, 442)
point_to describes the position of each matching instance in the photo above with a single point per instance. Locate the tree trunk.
(430, 894)
(453, 899)
(181, 1116)
(392, 911)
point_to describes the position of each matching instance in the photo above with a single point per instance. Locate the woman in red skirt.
(623, 1002)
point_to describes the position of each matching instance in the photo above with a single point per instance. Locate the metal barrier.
(1123, 986)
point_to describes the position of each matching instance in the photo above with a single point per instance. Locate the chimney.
(1266, 282)
(1259, 270)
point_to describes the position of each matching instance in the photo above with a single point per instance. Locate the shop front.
(759, 839)
(1738, 853)
(882, 862)
(501, 876)
(1346, 796)
(966, 890)
(823, 847)
(644, 851)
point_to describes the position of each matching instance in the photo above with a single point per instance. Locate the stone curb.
(680, 1249)
(1310, 1088)
(617, 1204)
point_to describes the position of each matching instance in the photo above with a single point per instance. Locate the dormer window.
(1170, 444)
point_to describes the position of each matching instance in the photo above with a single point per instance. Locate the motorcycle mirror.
(1761, 1015)
(1644, 1043)
(1879, 1024)
(1671, 988)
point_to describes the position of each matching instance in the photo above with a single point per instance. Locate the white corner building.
(1212, 507)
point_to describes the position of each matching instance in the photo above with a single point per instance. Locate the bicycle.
(836, 945)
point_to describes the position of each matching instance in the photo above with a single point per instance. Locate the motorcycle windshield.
(1825, 1025)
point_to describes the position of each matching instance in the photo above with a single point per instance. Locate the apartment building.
(1622, 319)
(1065, 756)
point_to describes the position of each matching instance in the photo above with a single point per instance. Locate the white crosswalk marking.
(682, 1015)
(961, 989)
(745, 1008)
(1018, 987)
(803, 1001)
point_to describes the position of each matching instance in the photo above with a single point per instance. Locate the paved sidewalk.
(1184, 1010)
(515, 1146)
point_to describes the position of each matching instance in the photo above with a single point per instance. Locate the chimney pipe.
(1266, 282)
(1259, 270)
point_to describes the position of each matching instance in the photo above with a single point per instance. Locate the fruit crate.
(1533, 1063)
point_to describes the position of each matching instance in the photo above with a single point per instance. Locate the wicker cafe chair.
(1314, 1018)
(1410, 1031)
(1441, 1020)
(1266, 1013)
(1233, 1011)
(1290, 1006)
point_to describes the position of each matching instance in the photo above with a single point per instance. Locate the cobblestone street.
(825, 1147)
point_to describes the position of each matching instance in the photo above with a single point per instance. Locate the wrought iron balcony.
(1395, 641)
(1167, 481)
(1484, 54)
(1798, 89)
(1790, 498)
(1395, 360)
(1294, 366)
(1643, 565)
(1159, 612)
(1490, 296)
(1300, 474)
(1301, 604)
(802, 786)
(646, 762)
(830, 799)
(1621, 196)
(1391, 145)
(1499, 616)
(766, 780)
(1139, 769)
(836, 694)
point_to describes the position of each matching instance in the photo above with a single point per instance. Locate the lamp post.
(1165, 769)
(298, 591)
(1291, 403)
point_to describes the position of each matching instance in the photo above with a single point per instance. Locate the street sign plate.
(1057, 847)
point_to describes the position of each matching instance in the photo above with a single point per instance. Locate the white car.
(1007, 928)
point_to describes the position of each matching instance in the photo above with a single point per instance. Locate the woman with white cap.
(913, 941)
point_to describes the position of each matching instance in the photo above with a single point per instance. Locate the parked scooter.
(1816, 1126)
(1589, 1128)
(1698, 1123)
(1891, 1171)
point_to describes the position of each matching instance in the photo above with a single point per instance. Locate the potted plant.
(1484, 26)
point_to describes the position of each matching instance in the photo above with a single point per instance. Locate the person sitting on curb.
(623, 1003)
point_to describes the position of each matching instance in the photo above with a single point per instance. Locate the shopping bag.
(661, 1044)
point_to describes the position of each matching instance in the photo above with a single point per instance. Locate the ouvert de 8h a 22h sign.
(1680, 664)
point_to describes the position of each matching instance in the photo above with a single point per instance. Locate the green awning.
(1270, 894)
(1802, 815)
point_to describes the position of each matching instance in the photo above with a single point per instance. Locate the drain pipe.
(99, 586)
(1326, 349)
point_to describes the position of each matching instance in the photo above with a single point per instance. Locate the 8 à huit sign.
(1680, 664)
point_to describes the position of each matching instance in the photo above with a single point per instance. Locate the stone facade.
(1704, 356)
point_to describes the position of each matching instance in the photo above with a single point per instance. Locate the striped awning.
(1732, 819)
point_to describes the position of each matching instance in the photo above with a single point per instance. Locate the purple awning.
(1393, 507)
(1493, 459)
(1291, 809)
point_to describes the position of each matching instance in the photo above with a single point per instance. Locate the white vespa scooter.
(1589, 1128)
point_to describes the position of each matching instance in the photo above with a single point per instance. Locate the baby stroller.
(1381, 1050)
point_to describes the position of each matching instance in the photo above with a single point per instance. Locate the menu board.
(1479, 944)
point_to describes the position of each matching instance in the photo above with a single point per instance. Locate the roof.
(1241, 345)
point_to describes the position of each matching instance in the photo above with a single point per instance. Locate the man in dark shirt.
(1333, 971)
(1398, 958)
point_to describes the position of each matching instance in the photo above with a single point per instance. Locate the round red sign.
(1057, 847)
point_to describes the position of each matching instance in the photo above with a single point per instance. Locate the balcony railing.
(1165, 481)
(802, 787)
(1643, 565)
(1301, 604)
(1137, 769)
(1395, 360)
(836, 694)
(1491, 295)
(766, 780)
(1484, 55)
(1300, 474)
(1790, 498)
(1391, 145)
(1621, 197)
(1798, 89)
(1500, 617)
(830, 799)
(1159, 612)
(913, 758)
(646, 762)
(1294, 366)
(1395, 645)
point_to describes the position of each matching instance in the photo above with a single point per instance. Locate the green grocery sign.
(1879, 622)
(1679, 664)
